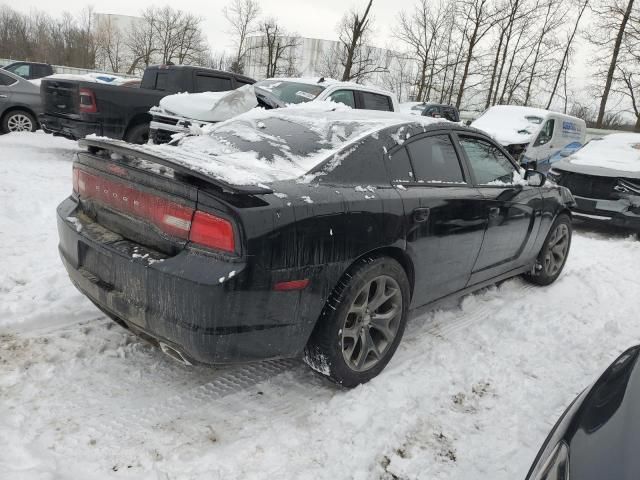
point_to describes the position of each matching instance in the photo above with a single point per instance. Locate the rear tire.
(362, 322)
(554, 253)
(138, 134)
(19, 121)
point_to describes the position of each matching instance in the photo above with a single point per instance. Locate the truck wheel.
(362, 323)
(138, 134)
(554, 253)
(19, 121)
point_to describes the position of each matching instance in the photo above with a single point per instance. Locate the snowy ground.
(471, 393)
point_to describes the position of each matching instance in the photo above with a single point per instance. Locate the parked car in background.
(315, 227)
(596, 438)
(273, 93)
(535, 137)
(29, 70)
(604, 177)
(19, 104)
(430, 109)
(76, 108)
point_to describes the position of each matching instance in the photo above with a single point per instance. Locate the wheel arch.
(20, 108)
(137, 119)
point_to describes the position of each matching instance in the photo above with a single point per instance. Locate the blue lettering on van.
(570, 126)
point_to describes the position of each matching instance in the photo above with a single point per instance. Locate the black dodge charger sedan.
(313, 229)
(597, 436)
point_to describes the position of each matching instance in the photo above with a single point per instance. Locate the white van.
(535, 137)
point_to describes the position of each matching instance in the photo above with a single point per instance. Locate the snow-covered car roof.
(510, 124)
(617, 154)
(262, 146)
(327, 82)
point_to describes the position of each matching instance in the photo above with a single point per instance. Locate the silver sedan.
(20, 103)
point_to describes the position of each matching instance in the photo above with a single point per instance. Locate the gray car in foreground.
(20, 104)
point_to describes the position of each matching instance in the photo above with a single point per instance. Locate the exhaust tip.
(173, 353)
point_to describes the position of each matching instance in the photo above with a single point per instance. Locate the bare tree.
(358, 59)
(276, 48)
(141, 40)
(110, 48)
(242, 16)
(612, 18)
(567, 51)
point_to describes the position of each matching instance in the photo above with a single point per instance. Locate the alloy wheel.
(371, 324)
(19, 123)
(557, 249)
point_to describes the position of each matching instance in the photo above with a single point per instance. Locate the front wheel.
(19, 121)
(138, 134)
(362, 324)
(554, 253)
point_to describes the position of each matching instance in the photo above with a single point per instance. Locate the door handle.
(494, 212)
(421, 215)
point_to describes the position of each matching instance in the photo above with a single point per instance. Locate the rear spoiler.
(130, 150)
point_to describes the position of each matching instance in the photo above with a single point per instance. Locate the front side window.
(344, 96)
(546, 133)
(489, 165)
(22, 70)
(375, 101)
(435, 160)
(207, 83)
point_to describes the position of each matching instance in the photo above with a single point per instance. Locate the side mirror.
(467, 122)
(534, 178)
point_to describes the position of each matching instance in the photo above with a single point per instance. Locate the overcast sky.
(316, 19)
(307, 18)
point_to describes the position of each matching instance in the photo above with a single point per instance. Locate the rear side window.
(344, 96)
(433, 111)
(489, 164)
(399, 166)
(161, 80)
(375, 101)
(207, 83)
(6, 80)
(434, 160)
(450, 114)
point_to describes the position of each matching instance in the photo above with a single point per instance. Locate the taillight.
(169, 217)
(213, 232)
(88, 101)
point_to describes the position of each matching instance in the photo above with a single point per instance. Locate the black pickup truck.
(76, 108)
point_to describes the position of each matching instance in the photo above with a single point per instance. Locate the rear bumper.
(212, 311)
(619, 213)
(73, 129)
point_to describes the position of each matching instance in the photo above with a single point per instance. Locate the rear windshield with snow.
(290, 92)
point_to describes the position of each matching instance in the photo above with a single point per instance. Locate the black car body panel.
(224, 307)
(601, 428)
(120, 108)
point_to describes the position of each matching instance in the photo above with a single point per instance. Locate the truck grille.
(589, 186)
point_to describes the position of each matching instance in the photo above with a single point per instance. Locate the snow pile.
(511, 125)
(471, 393)
(105, 78)
(618, 151)
(256, 147)
(211, 106)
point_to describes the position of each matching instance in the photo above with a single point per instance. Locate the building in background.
(113, 53)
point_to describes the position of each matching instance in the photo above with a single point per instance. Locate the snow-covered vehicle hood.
(211, 106)
(511, 125)
(614, 155)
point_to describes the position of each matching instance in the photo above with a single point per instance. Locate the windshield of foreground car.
(290, 92)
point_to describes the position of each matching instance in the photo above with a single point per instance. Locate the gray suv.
(20, 104)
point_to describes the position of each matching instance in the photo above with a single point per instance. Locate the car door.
(444, 218)
(512, 208)
(5, 91)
